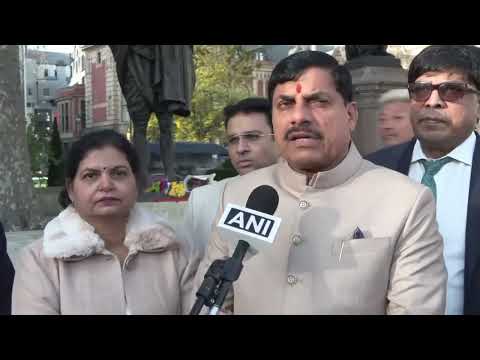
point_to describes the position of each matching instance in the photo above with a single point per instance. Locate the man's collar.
(462, 153)
(297, 182)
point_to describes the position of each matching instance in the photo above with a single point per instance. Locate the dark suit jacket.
(6, 276)
(398, 158)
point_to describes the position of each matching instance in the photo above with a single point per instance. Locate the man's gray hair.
(394, 95)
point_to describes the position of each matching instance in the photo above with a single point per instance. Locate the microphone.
(251, 226)
(254, 223)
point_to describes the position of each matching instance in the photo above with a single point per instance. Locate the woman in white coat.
(103, 254)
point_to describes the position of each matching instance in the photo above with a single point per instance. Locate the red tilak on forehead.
(299, 88)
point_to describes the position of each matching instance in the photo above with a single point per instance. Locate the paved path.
(18, 239)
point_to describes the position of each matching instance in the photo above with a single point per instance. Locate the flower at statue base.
(193, 181)
(177, 189)
(159, 186)
(154, 188)
(163, 185)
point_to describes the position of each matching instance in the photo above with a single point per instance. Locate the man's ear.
(352, 113)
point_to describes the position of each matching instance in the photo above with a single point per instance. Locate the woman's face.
(104, 185)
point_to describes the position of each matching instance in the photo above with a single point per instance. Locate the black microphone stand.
(206, 293)
(219, 279)
(231, 272)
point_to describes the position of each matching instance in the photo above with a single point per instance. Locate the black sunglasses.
(448, 91)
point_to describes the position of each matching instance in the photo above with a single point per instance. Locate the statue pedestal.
(369, 83)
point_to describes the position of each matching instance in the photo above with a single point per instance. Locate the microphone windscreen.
(263, 199)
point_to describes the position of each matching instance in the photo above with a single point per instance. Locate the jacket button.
(297, 240)
(304, 204)
(291, 279)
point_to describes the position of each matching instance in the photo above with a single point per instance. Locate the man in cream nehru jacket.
(355, 238)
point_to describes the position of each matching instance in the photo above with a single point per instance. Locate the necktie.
(432, 167)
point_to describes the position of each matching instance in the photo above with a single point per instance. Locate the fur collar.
(69, 236)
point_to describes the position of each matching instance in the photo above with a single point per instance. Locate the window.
(260, 88)
(45, 73)
(83, 114)
(62, 116)
(46, 92)
(29, 104)
(56, 74)
(29, 91)
(99, 57)
(67, 125)
(83, 62)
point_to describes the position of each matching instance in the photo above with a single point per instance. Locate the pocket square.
(358, 234)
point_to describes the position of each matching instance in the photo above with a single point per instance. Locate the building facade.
(267, 56)
(78, 66)
(45, 73)
(105, 106)
(93, 99)
(71, 113)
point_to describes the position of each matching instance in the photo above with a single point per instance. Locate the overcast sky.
(57, 48)
(60, 48)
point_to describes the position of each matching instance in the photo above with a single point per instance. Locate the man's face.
(250, 142)
(394, 126)
(444, 124)
(312, 123)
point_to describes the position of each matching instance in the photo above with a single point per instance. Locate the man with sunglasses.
(444, 83)
(251, 146)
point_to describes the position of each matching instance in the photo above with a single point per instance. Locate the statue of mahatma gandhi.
(354, 51)
(158, 79)
(369, 55)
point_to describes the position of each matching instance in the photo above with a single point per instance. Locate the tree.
(55, 159)
(153, 131)
(16, 189)
(223, 76)
(38, 136)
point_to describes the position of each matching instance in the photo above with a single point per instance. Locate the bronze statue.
(369, 55)
(158, 79)
(355, 51)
